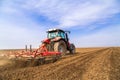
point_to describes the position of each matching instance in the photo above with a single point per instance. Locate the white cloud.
(18, 33)
(105, 38)
(17, 37)
(69, 13)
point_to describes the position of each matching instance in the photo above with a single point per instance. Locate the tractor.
(58, 41)
(56, 45)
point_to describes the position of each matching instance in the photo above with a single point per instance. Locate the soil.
(86, 64)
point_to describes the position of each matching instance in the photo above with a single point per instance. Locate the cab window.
(52, 35)
(62, 35)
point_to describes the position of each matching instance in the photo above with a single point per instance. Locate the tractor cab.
(54, 33)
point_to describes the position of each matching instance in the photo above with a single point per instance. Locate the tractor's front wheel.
(60, 46)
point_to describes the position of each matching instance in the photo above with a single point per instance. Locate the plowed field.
(86, 64)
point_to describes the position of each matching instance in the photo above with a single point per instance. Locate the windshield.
(56, 34)
(52, 35)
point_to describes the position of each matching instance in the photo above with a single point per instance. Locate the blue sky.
(93, 23)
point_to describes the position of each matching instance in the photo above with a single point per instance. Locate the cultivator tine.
(25, 47)
(42, 60)
(30, 48)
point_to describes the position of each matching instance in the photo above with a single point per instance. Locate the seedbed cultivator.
(35, 57)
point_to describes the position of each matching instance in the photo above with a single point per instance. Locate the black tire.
(48, 46)
(72, 49)
(60, 46)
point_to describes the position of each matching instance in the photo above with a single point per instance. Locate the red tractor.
(58, 41)
(56, 44)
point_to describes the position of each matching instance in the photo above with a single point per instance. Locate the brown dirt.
(86, 64)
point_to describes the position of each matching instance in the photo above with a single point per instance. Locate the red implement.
(44, 52)
(40, 52)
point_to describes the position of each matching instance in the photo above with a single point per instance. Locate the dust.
(4, 61)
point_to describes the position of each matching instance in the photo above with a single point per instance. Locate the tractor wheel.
(72, 48)
(48, 46)
(60, 46)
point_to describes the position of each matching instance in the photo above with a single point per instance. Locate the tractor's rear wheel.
(72, 48)
(60, 46)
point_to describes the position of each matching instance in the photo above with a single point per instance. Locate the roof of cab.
(54, 30)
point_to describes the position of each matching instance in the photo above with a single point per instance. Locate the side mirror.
(67, 32)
